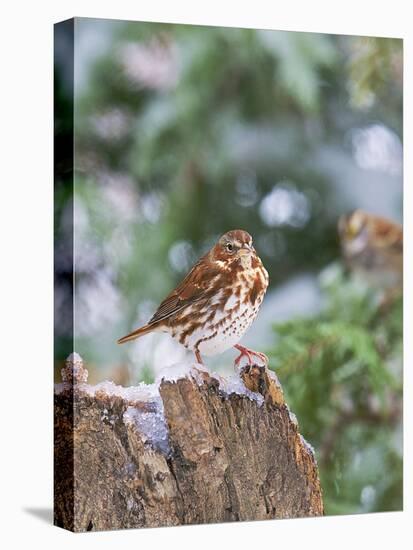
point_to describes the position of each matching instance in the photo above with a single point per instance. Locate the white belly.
(226, 331)
(229, 322)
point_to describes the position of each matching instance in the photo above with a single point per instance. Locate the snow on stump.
(192, 448)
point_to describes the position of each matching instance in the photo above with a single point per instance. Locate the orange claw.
(249, 353)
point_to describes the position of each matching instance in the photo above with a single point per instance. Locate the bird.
(373, 246)
(216, 303)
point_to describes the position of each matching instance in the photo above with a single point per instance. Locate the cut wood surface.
(193, 448)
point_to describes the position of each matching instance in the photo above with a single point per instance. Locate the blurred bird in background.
(372, 246)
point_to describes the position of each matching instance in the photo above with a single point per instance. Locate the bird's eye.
(230, 247)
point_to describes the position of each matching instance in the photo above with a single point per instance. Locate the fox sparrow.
(217, 301)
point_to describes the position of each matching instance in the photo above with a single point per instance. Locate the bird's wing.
(197, 285)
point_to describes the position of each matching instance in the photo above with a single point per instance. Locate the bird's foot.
(250, 354)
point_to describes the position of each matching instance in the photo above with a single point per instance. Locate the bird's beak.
(245, 250)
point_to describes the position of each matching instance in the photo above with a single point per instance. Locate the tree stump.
(193, 448)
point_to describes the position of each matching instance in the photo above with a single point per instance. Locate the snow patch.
(62, 387)
(229, 386)
(307, 445)
(143, 392)
(178, 371)
(274, 377)
(292, 416)
(234, 384)
(151, 426)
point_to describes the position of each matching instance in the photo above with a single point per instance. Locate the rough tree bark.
(195, 449)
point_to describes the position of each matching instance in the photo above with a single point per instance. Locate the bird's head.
(233, 246)
(352, 225)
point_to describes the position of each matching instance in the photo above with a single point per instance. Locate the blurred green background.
(184, 132)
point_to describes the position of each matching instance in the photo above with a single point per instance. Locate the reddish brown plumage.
(215, 304)
(373, 247)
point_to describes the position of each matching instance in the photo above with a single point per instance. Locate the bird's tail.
(136, 333)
